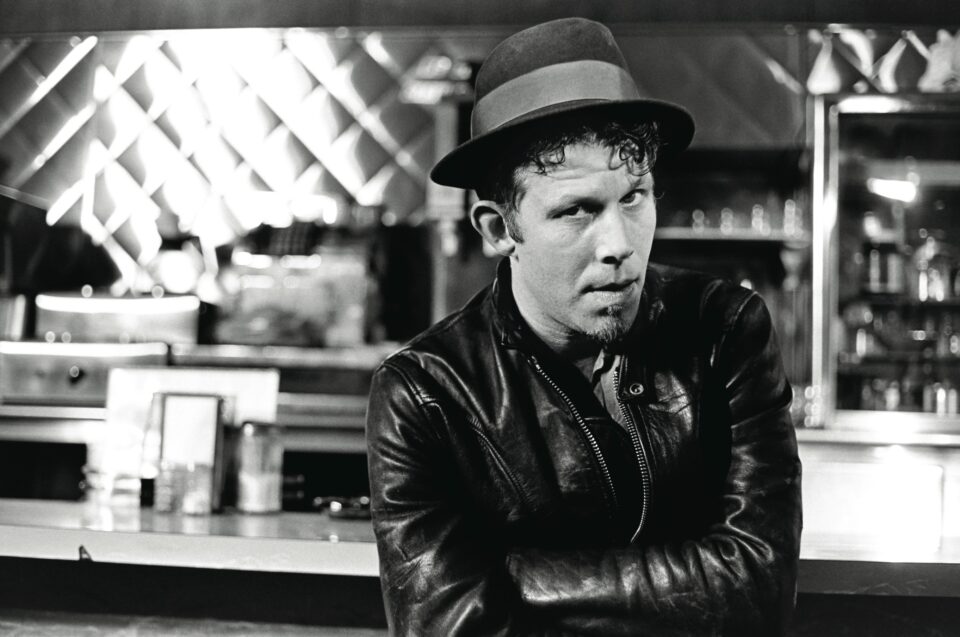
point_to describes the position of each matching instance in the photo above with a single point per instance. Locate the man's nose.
(613, 247)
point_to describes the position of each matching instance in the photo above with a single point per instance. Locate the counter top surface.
(134, 519)
(360, 357)
(315, 543)
(46, 623)
(286, 542)
(881, 434)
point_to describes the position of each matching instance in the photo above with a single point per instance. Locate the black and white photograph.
(414, 318)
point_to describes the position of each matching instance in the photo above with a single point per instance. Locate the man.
(594, 444)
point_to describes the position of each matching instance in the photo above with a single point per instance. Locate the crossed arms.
(444, 571)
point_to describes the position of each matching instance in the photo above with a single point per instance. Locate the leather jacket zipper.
(639, 450)
(611, 493)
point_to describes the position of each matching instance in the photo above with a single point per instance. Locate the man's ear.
(488, 218)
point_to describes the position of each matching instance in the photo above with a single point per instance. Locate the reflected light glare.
(891, 452)
(219, 88)
(103, 84)
(187, 119)
(317, 50)
(824, 76)
(127, 119)
(156, 156)
(176, 271)
(64, 202)
(373, 44)
(144, 225)
(135, 53)
(185, 192)
(163, 82)
(245, 207)
(66, 132)
(62, 69)
(873, 104)
(330, 212)
(214, 227)
(249, 260)
(107, 305)
(897, 189)
(310, 208)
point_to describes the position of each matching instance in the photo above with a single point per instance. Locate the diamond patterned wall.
(848, 60)
(743, 88)
(45, 113)
(145, 137)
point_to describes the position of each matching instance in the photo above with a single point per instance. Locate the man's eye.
(633, 198)
(570, 212)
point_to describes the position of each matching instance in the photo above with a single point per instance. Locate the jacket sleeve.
(440, 573)
(739, 578)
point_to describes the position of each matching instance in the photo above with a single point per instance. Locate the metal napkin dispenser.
(67, 373)
(76, 318)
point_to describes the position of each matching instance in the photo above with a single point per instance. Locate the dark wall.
(50, 16)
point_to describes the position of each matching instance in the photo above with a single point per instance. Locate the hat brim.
(465, 165)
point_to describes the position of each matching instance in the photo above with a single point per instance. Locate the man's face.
(587, 228)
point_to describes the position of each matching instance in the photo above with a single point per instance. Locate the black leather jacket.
(504, 495)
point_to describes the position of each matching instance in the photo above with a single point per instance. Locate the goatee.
(610, 328)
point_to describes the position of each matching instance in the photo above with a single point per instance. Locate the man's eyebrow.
(568, 200)
(641, 180)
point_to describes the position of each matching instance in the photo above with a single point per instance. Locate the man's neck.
(576, 349)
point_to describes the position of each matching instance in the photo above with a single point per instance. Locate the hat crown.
(571, 67)
(554, 42)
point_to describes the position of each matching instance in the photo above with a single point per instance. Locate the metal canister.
(259, 467)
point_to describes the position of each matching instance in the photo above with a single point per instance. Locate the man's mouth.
(614, 286)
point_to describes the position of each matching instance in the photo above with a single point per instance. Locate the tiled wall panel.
(179, 134)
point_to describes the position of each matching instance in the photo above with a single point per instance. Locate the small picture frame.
(191, 440)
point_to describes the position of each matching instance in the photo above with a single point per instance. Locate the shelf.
(897, 427)
(881, 428)
(879, 365)
(746, 236)
(312, 422)
(892, 300)
(930, 172)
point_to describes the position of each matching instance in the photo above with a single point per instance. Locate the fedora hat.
(566, 66)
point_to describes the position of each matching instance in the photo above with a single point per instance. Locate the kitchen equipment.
(75, 318)
(314, 300)
(67, 373)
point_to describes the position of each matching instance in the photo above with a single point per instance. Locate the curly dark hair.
(541, 147)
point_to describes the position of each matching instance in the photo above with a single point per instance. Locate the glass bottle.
(891, 396)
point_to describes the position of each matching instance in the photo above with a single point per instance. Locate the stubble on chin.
(610, 327)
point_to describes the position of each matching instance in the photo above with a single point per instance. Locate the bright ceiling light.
(896, 189)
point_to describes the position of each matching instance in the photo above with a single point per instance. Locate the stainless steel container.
(259, 467)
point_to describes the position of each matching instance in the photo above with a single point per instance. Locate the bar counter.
(70, 564)
(283, 543)
(315, 543)
(71, 567)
